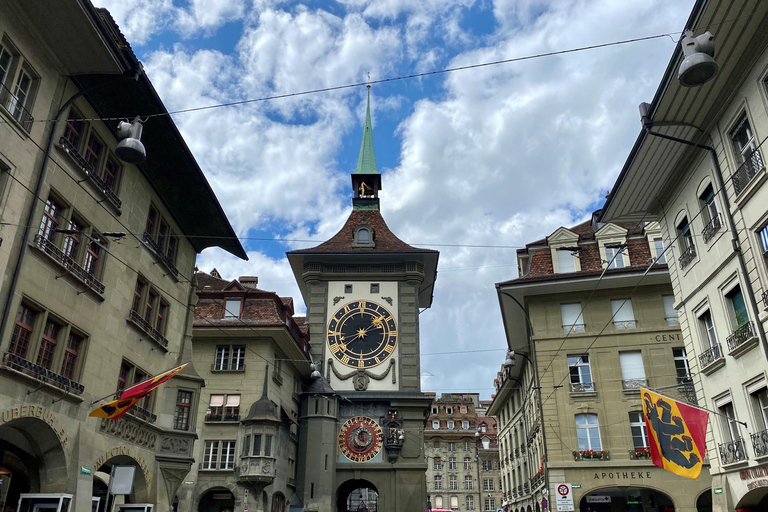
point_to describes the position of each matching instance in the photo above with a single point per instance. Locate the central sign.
(564, 497)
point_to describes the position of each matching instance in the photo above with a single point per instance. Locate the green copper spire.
(366, 161)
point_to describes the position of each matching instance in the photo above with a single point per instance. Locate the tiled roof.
(582, 274)
(585, 231)
(385, 240)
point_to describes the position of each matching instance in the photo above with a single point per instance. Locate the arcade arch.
(357, 496)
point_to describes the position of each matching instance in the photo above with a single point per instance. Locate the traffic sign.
(564, 497)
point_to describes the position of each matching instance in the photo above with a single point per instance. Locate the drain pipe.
(33, 210)
(647, 125)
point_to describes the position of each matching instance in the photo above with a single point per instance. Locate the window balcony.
(142, 414)
(582, 387)
(712, 227)
(137, 320)
(157, 251)
(570, 328)
(625, 324)
(592, 455)
(688, 255)
(14, 107)
(712, 357)
(213, 417)
(634, 384)
(748, 170)
(69, 264)
(42, 374)
(640, 453)
(742, 339)
(88, 170)
(732, 452)
(760, 444)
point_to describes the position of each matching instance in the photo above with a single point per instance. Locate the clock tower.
(363, 417)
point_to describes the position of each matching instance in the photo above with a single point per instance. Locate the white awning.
(233, 400)
(217, 400)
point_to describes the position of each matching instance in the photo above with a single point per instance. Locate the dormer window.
(232, 308)
(363, 236)
(612, 241)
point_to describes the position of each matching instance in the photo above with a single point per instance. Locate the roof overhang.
(170, 167)
(655, 166)
(70, 31)
(427, 258)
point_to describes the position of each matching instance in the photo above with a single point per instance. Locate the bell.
(130, 149)
(698, 66)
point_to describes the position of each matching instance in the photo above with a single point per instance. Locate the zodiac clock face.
(360, 439)
(362, 334)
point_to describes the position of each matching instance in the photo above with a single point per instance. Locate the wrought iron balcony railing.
(632, 384)
(69, 264)
(732, 451)
(748, 170)
(573, 328)
(740, 335)
(158, 252)
(760, 443)
(42, 374)
(765, 300)
(90, 172)
(145, 326)
(14, 107)
(213, 417)
(712, 227)
(687, 391)
(625, 324)
(142, 414)
(582, 387)
(687, 256)
(710, 355)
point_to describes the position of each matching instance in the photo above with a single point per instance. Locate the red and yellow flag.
(145, 387)
(116, 409)
(676, 434)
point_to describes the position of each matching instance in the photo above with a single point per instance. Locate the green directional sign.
(718, 490)
(576, 486)
(85, 470)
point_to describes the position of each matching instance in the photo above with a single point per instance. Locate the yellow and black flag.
(676, 434)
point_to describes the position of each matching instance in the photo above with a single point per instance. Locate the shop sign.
(222, 496)
(85, 470)
(718, 490)
(564, 497)
(633, 500)
(760, 472)
(598, 499)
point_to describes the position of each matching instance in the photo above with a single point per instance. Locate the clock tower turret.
(364, 289)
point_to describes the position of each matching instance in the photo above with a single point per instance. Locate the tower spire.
(366, 179)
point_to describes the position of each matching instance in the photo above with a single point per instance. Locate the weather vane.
(368, 74)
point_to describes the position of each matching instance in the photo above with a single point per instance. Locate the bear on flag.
(676, 434)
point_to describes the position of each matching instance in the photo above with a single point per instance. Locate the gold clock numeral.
(360, 363)
(378, 361)
(345, 359)
(389, 348)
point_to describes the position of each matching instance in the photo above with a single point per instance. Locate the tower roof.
(366, 160)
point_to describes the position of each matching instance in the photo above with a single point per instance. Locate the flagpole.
(696, 406)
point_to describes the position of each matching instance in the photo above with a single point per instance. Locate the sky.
(493, 156)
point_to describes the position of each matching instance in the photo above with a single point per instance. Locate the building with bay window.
(94, 297)
(590, 321)
(710, 203)
(254, 356)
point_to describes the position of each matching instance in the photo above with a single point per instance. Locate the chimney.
(249, 281)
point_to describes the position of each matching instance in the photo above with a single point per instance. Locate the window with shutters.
(623, 314)
(670, 313)
(632, 370)
(573, 320)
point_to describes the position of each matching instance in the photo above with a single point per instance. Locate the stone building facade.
(598, 323)
(709, 205)
(254, 356)
(97, 257)
(462, 454)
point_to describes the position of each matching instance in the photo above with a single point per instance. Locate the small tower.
(366, 179)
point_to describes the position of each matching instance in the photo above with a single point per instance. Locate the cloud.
(494, 156)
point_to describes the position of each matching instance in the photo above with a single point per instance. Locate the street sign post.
(564, 497)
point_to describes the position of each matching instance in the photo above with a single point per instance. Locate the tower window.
(347, 288)
(363, 236)
(374, 288)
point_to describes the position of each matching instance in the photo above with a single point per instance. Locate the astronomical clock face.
(360, 439)
(362, 334)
